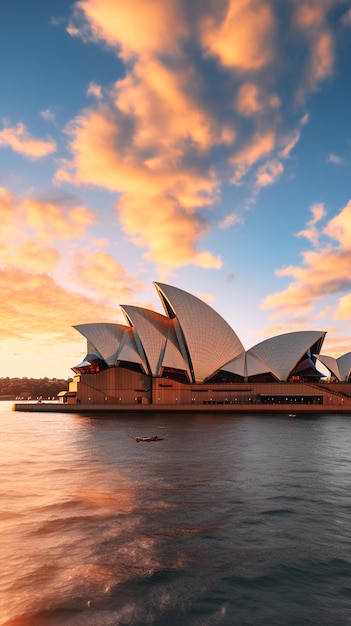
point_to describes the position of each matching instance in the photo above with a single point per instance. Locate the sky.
(204, 144)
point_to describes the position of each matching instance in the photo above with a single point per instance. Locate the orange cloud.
(248, 99)
(159, 97)
(268, 173)
(36, 313)
(27, 223)
(19, 140)
(169, 233)
(311, 20)
(6, 203)
(51, 220)
(159, 202)
(94, 90)
(325, 271)
(344, 308)
(153, 139)
(322, 57)
(102, 275)
(243, 38)
(311, 232)
(260, 146)
(339, 227)
(38, 306)
(134, 26)
(32, 255)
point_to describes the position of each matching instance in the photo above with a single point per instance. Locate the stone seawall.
(288, 409)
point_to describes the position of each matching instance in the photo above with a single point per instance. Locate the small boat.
(292, 414)
(146, 439)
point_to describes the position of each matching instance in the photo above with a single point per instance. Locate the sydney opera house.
(189, 358)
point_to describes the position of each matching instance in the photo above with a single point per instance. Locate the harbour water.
(241, 520)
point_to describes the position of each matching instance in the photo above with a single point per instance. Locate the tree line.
(12, 388)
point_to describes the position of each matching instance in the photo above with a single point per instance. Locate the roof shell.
(330, 363)
(282, 353)
(114, 342)
(157, 336)
(344, 364)
(210, 341)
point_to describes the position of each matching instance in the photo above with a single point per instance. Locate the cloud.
(32, 255)
(336, 160)
(244, 37)
(268, 173)
(103, 276)
(346, 18)
(35, 311)
(48, 115)
(158, 194)
(311, 231)
(20, 140)
(52, 220)
(311, 20)
(261, 145)
(205, 100)
(339, 228)
(323, 272)
(34, 231)
(231, 220)
(37, 305)
(248, 99)
(344, 308)
(94, 90)
(132, 26)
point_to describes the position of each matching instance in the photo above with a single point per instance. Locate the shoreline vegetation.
(31, 388)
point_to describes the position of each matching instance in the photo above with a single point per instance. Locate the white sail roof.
(157, 338)
(330, 363)
(344, 364)
(283, 352)
(210, 341)
(113, 341)
(237, 365)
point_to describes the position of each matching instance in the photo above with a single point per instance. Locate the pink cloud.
(19, 140)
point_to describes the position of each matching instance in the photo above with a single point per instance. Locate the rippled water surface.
(228, 520)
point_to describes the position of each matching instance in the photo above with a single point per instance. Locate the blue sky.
(205, 145)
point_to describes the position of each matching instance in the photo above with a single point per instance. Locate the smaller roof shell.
(330, 363)
(281, 354)
(344, 364)
(114, 342)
